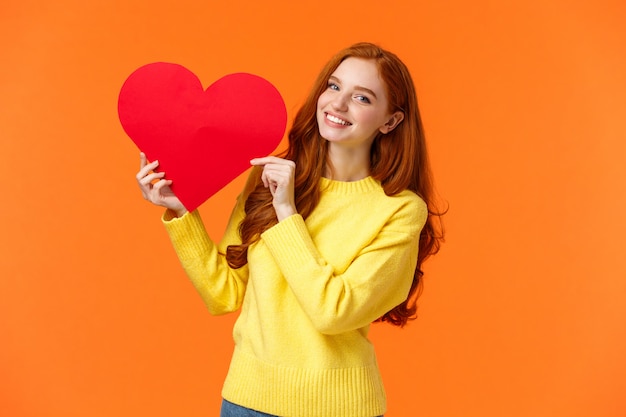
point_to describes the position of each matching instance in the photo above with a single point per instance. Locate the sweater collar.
(365, 185)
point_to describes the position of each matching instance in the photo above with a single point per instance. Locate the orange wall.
(524, 312)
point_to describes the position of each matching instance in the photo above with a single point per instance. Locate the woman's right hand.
(155, 188)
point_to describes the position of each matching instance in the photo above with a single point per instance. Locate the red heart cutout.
(203, 139)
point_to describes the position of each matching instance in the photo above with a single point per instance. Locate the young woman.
(323, 241)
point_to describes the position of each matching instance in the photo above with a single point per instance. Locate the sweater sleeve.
(221, 287)
(378, 279)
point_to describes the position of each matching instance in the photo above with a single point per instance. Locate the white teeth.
(336, 120)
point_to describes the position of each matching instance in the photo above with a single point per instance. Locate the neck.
(347, 164)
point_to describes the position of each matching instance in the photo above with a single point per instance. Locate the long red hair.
(399, 160)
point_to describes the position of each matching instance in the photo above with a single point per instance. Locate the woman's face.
(354, 107)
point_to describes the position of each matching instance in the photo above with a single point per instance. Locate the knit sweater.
(307, 295)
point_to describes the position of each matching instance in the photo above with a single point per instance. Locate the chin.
(329, 136)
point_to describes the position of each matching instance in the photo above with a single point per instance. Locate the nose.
(340, 101)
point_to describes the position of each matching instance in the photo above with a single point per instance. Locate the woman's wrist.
(282, 212)
(181, 212)
(171, 213)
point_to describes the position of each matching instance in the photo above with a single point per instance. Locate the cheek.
(382, 115)
(321, 101)
(319, 114)
(370, 116)
(320, 105)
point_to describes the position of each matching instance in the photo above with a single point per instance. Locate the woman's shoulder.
(411, 198)
(409, 208)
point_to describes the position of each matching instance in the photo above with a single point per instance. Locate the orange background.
(524, 312)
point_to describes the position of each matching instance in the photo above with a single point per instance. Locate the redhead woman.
(323, 240)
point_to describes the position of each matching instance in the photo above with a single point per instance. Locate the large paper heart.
(203, 139)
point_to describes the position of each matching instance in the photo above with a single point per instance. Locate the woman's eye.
(363, 99)
(333, 86)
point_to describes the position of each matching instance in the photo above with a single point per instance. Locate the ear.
(393, 121)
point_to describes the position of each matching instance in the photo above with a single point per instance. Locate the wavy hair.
(399, 161)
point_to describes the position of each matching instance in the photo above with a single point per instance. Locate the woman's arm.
(220, 286)
(377, 280)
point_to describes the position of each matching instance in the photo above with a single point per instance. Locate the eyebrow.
(367, 90)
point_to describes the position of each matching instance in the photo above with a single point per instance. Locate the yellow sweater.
(308, 294)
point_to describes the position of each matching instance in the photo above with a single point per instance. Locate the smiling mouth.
(337, 120)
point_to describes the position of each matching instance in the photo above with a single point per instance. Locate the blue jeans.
(233, 410)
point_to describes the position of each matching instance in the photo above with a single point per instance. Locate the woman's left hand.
(278, 175)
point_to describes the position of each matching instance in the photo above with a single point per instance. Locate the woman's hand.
(278, 175)
(159, 192)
